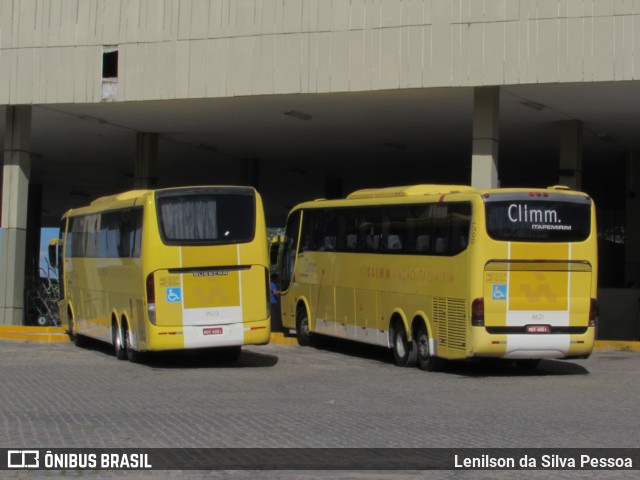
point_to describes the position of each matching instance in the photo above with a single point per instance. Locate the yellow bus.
(171, 269)
(439, 272)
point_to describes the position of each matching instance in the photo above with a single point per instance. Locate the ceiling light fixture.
(605, 137)
(298, 115)
(396, 145)
(533, 105)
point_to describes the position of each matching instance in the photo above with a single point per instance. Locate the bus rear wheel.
(404, 352)
(229, 354)
(302, 328)
(118, 345)
(426, 360)
(132, 355)
(527, 363)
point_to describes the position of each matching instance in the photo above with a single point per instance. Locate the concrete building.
(314, 98)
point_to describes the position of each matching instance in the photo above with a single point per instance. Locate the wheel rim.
(304, 326)
(423, 346)
(117, 341)
(400, 347)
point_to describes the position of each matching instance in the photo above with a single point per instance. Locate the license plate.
(538, 328)
(212, 331)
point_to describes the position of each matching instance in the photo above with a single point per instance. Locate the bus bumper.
(525, 346)
(209, 336)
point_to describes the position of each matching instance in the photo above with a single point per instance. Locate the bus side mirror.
(54, 249)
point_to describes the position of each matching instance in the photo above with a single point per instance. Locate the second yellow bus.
(440, 272)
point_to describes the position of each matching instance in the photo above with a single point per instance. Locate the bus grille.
(450, 315)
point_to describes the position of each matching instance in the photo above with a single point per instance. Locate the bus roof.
(118, 197)
(407, 191)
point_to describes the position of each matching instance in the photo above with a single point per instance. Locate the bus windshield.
(538, 220)
(206, 217)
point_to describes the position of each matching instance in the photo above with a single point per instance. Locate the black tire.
(302, 328)
(77, 339)
(132, 355)
(426, 360)
(229, 354)
(528, 363)
(404, 352)
(118, 345)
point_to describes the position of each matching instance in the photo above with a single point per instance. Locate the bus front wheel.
(404, 352)
(302, 328)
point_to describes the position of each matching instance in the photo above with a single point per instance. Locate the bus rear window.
(538, 220)
(206, 218)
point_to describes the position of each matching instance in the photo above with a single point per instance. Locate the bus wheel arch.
(72, 328)
(424, 346)
(117, 338)
(303, 333)
(404, 351)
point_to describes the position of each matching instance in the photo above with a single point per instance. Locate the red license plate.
(212, 331)
(538, 328)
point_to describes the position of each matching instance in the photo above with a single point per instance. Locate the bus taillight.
(477, 312)
(151, 298)
(593, 312)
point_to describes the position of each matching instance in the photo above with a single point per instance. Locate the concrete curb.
(59, 334)
(34, 334)
(608, 345)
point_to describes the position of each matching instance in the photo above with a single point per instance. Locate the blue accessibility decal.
(499, 291)
(173, 295)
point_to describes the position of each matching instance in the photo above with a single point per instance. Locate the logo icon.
(173, 295)
(23, 459)
(499, 291)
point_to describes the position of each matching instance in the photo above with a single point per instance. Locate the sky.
(46, 234)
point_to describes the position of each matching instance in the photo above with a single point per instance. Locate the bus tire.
(404, 352)
(229, 354)
(426, 360)
(77, 339)
(302, 328)
(132, 355)
(527, 363)
(118, 347)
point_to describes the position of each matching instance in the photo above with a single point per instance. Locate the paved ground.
(340, 395)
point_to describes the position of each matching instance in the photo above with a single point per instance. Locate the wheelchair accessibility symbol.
(499, 292)
(173, 295)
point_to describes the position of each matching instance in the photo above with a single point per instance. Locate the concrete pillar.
(15, 194)
(145, 171)
(570, 168)
(632, 222)
(486, 137)
(34, 225)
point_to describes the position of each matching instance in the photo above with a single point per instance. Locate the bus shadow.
(207, 358)
(353, 349)
(465, 368)
(506, 368)
(191, 359)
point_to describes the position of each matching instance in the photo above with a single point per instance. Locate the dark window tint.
(430, 229)
(290, 250)
(206, 218)
(538, 220)
(114, 234)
